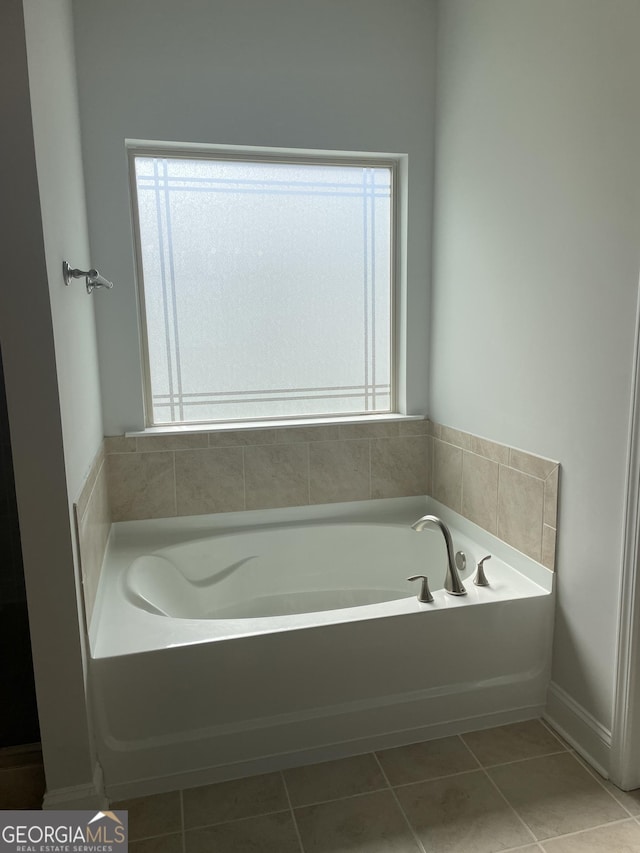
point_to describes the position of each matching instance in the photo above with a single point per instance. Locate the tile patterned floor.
(517, 787)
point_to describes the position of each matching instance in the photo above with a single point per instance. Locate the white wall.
(338, 74)
(36, 366)
(56, 128)
(536, 275)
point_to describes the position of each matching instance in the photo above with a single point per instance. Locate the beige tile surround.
(93, 519)
(509, 493)
(159, 476)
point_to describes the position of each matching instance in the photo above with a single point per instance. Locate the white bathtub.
(237, 643)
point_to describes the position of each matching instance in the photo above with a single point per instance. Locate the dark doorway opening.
(18, 710)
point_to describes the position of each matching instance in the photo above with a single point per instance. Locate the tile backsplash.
(509, 493)
(193, 474)
(93, 521)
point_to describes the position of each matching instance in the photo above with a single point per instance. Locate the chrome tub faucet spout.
(452, 584)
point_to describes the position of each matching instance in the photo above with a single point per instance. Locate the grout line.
(151, 837)
(427, 467)
(338, 799)
(175, 482)
(587, 829)
(101, 469)
(542, 527)
(397, 801)
(236, 819)
(596, 776)
(498, 500)
(471, 752)
(560, 751)
(484, 770)
(244, 481)
(433, 466)
(567, 834)
(293, 814)
(437, 778)
(522, 821)
(184, 830)
(555, 734)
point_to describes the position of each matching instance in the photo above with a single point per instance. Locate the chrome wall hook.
(92, 277)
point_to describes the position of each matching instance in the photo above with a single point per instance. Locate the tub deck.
(186, 701)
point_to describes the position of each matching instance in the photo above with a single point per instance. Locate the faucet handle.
(425, 593)
(480, 578)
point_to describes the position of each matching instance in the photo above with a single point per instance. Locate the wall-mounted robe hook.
(92, 277)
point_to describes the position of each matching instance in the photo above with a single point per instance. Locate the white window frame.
(393, 162)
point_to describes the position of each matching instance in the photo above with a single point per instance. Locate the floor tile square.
(429, 760)
(555, 795)
(332, 780)
(529, 739)
(630, 800)
(158, 814)
(371, 823)
(273, 833)
(461, 814)
(618, 838)
(238, 798)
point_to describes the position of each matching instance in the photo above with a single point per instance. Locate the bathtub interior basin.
(301, 569)
(168, 582)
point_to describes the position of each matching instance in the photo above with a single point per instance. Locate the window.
(266, 285)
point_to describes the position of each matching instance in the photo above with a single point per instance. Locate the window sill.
(190, 429)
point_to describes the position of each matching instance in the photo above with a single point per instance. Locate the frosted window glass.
(267, 288)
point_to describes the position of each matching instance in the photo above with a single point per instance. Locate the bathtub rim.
(130, 539)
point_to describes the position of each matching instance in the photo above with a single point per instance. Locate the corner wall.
(56, 130)
(46, 355)
(537, 212)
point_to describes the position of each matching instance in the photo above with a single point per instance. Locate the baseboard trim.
(89, 796)
(579, 728)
